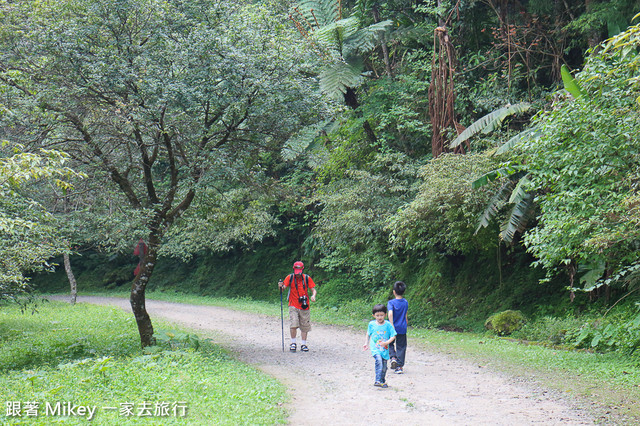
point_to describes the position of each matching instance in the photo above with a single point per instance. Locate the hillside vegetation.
(484, 152)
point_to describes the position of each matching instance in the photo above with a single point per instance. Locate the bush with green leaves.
(506, 322)
(548, 329)
(444, 214)
(351, 230)
(29, 234)
(608, 335)
(583, 167)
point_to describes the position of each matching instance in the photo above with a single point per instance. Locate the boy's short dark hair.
(399, 287)
(379, 308)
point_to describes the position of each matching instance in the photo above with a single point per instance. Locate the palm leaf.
(495, 174)
(520, 215)
(520, 192)
(570, 83)
(489, 122)
(497, 202)
(526, 135)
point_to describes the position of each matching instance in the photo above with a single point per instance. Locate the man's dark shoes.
(394, 363)
(304, 348)
(292, 347)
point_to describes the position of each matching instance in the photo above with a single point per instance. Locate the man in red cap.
(299, 285)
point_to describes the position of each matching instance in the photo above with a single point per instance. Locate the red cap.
(298, 267)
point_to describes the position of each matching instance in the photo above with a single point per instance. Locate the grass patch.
(90, 356)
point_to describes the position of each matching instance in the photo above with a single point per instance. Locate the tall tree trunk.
(383, 44)
(72, 279)
(442, 93)
(593, 38)
(351, 100)
(137, 298)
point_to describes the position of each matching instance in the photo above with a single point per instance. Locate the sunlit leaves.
(584, 166)
(444, 213)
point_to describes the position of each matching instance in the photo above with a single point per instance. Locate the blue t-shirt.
(399, 308)
(380, 332)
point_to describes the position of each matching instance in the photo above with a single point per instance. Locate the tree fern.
(365, 39)
(341, 41)
(318, 13)
(337, 77)
(304, 140)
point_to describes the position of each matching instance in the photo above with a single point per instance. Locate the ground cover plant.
(71, 354)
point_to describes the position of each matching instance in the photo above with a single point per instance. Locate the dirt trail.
(333, 383)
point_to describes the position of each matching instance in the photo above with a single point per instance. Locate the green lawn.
(90, 356)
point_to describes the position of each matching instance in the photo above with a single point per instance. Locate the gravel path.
(333, 382)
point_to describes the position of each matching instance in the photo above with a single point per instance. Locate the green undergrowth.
(89, 355)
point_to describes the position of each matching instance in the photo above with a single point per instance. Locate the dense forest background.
(484, 152)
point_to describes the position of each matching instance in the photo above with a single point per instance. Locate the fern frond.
(337, 77)
(303, 140)
(365, 39)
(489, 122)
(318, 13)
(335, 33)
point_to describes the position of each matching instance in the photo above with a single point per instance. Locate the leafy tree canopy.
(28, 233)
(584, 166)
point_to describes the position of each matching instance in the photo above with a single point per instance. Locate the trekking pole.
(282, 318)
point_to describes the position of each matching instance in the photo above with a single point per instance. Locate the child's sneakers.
(399, 370)
(380, 385)
(394, 363)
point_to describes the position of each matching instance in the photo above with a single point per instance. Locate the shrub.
(506, 322)
(549, 329)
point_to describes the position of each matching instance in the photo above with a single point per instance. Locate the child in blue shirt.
(398, 308)
(380, 334)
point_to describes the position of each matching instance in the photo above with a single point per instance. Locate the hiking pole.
(282, 318)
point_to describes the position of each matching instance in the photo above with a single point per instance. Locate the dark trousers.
(398, 349)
